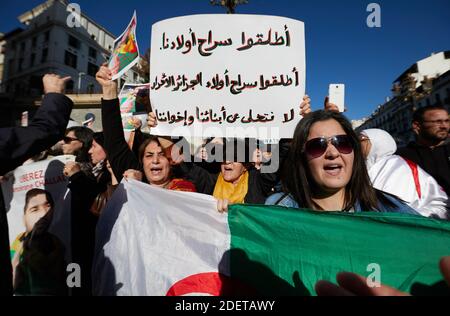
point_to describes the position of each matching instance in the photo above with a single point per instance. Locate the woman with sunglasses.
(325, 170)
(77, 141)
(89, 196)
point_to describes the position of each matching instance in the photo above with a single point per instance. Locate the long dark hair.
(167, 153)
(296, 176)
(147, 141)
(85, 136)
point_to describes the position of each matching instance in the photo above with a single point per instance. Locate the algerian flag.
(152, 241)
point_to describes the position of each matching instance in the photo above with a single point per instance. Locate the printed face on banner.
(37, 207)
(126, 51)
(227, 76)
(47, 175)
(134, 105)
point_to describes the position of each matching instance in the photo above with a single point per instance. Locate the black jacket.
(17, 144)
(434, 161)
(84, 189)
(120, 156)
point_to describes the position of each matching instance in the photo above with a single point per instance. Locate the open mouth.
(228, 168)
(333, 169)
(155, 171)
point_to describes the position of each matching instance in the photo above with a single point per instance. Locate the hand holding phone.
(336, 96)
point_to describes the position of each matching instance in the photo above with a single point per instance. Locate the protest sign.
(134, 103)
(227, 75)
(126, 51)
(47, 175)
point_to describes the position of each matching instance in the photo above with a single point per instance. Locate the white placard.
(227, 76)
(47, 175)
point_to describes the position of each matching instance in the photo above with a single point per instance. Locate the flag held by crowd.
(147, 246)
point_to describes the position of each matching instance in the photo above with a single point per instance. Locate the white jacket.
(405, 179)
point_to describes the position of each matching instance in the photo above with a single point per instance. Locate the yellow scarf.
(235, 194)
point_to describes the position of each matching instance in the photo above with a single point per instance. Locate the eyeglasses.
(316, 147)
(68, 139)
(438, 122)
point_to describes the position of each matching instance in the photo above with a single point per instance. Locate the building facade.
(48, 43)
(425, 83)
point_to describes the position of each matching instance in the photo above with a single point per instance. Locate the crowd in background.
(326, 166)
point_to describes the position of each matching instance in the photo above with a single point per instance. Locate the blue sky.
(340, 48)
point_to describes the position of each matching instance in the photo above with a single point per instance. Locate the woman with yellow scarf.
(238, 182)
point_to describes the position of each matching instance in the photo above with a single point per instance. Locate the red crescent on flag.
(213, 283)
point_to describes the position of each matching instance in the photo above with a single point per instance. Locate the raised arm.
(120, 156)
(17, 144)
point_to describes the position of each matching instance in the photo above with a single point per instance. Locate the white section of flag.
(150, 238)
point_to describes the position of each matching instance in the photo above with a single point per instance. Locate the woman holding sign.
(154, 156)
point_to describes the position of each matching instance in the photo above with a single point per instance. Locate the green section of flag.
(281, 251)
(126, 59)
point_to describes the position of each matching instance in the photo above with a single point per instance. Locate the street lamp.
(80, 74)
(229, 4)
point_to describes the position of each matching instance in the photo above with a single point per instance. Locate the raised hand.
(54, 83)
(71, 168)
(109, 87)
(305, 106)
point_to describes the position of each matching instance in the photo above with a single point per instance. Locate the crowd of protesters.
(326, 166)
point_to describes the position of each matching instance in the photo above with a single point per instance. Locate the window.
(73, 42)
(34, 42)
(47, 36)
(44, 55)
(32, 59)
(20, 64)
(69, 87)
(70, 60)
(22, 47)
(92, 69)
(438, 98)
(90, 88)
(36, 86)
(92, 53)
(11, 69)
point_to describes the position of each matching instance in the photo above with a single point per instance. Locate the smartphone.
(336, 93)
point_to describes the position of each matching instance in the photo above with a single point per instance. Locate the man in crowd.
(17, 144)
(431, 150)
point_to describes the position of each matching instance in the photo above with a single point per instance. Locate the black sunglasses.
(68, 139)
(318, 146)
